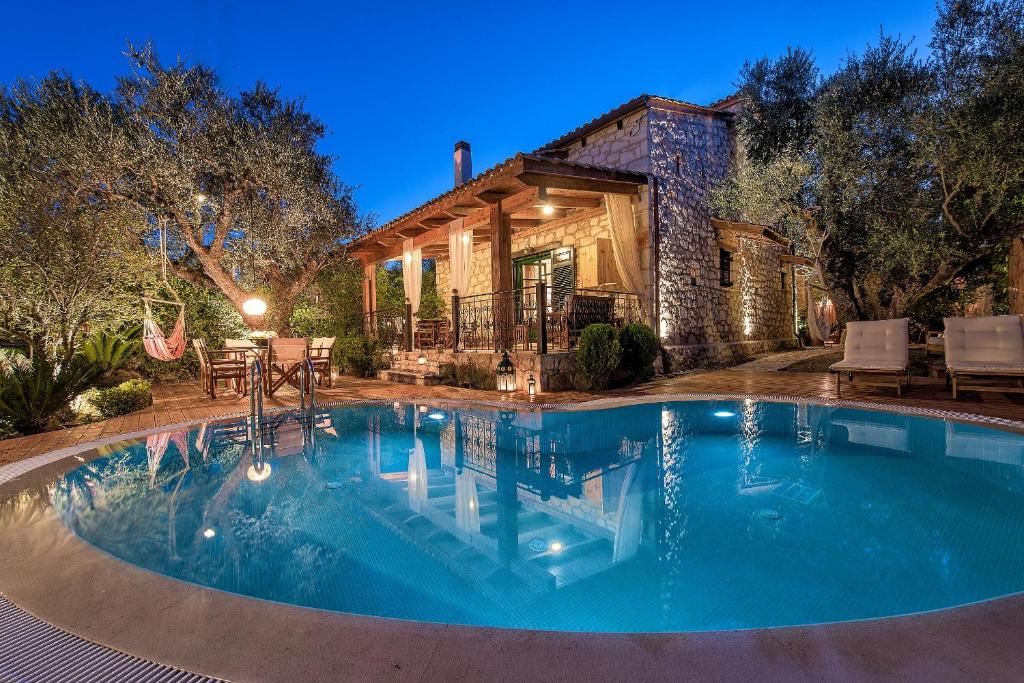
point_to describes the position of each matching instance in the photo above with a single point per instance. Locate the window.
(725, 268)
(782, 280)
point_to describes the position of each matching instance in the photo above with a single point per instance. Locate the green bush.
(127, 397)
(361, 356)
(33, 394)
(640, 347)
(597, 355)
(469, 375)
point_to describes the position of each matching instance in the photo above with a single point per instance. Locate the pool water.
(679, 516)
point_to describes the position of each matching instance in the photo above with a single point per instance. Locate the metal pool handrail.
(256, 407)
(307, 382)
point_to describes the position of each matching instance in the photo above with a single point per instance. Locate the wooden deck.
(173, 403)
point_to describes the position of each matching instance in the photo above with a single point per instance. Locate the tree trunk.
(1015, 276)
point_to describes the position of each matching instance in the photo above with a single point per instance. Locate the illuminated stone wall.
(699, 319)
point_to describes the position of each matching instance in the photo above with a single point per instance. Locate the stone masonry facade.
(685, 153)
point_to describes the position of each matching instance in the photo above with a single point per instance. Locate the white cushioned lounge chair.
(988, 347)
(875, 347)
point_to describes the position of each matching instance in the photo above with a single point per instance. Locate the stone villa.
(609, 222)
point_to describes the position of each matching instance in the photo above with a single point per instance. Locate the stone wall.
(699, 319)
(552, 371)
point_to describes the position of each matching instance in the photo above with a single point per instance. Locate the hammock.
(156, 343)
(153, 340)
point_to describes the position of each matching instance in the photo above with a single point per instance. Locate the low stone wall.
(687, 356)
(552, 371)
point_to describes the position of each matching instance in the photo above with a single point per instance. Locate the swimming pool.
(676, 516)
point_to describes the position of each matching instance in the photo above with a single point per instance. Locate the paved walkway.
(174, 403)
(778, 361)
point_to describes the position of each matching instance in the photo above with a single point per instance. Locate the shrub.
(639, 346)
(361, 356)
(597, 355)
(32, 394)
(109, 351)
(127, 397)
(469, 375)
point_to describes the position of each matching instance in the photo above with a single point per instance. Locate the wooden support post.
(408, 325)
(500, 226)
(542, 318)
(455, 320)
(369, 299)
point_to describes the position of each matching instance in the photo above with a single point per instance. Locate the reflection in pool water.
(653, 517)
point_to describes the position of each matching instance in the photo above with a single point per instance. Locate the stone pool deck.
(175, 403)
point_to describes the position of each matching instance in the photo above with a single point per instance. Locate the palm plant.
(32, 394)
(108, 351)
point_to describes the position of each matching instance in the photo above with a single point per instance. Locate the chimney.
(463, 163)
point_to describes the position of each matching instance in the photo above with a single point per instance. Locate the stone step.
(401, 377)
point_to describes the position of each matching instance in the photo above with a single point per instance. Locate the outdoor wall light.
(254, 307)
(547, 209)
(506, 373)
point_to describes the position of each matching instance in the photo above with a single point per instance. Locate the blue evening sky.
(398, 83)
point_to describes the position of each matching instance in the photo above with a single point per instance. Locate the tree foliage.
(900, 176)
(67, 258)
(247, 200)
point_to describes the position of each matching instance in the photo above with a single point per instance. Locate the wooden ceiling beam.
(572, 183)
(563, 202)
(535, 213)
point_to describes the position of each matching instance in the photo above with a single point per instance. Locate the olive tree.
(247, 201)
(68, 260)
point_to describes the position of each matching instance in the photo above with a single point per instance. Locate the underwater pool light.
(258, 474)
(436, 416)
(555, 546)
(209, 533)
(724, 413)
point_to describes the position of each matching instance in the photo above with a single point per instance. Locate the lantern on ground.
(531, 386)
(506, 373)
(254, 307)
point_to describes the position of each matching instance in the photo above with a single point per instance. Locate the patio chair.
(989, 347)
(320, 353)
(876, 347)
(218, 365)
(245, 349)
(284, 358)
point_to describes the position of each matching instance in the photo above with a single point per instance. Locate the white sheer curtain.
(629, 527)
(460, 255)
(412, 273)
(467, 502)
(624, 244)
(417, 482)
